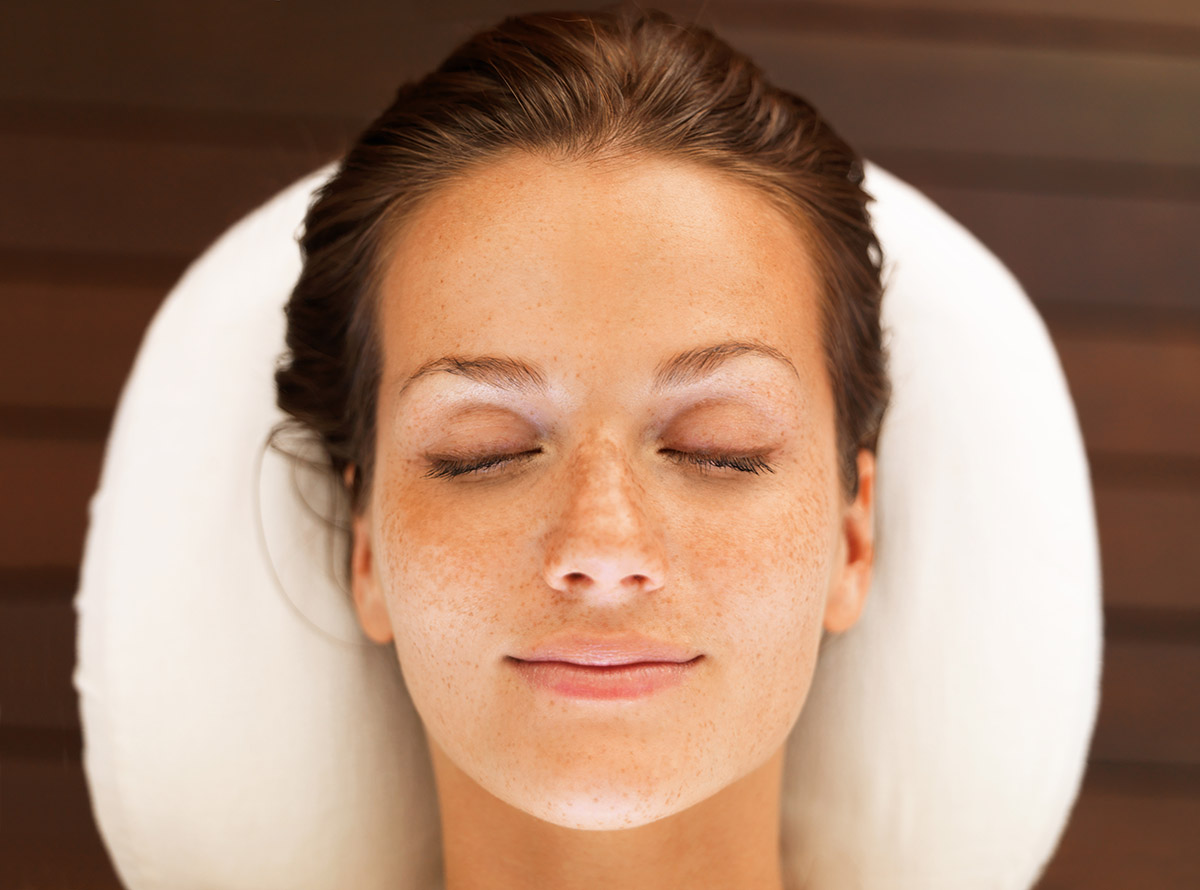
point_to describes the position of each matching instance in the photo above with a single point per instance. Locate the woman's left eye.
(748, 463)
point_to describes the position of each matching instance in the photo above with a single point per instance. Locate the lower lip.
(625, 681)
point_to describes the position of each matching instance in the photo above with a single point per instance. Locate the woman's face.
(604, 412)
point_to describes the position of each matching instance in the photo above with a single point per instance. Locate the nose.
(604, 544)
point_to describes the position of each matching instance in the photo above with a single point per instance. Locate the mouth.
(613, 681)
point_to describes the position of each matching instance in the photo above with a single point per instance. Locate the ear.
(856, 553)
(369, 600)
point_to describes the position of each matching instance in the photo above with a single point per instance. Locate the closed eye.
(749, 463)
(445, 468)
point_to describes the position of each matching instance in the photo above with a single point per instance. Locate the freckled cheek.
(765, 576)
(777, 673)
(451, 574)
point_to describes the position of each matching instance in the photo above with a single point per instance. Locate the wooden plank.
(53, 352)
(37, 658)
(256, 57)
(105, 195)
(1118, 841)
(931, 170)
(47, 485)
(1148, 547)
(1147, 704)
(882, 91)
(916, 94)
(974, 23)
(48, 836)
(1152, 626)
(1163, 780)
(1169, 12)
(1086, 251)
(1134, 393)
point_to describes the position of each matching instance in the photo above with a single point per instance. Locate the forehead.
(614, 263)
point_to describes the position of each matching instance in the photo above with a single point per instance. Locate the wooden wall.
(1064, 133)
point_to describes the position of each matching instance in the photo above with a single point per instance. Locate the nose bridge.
(601, 471)
(604, 540)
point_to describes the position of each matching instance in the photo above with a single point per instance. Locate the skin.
(597, 272)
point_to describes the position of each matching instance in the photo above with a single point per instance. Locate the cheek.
(450, 577)
(763, 579)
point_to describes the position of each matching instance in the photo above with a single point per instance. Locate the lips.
(600, 651)
(615, 667)
(604, 682)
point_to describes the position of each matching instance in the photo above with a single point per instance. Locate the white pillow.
(237, 736)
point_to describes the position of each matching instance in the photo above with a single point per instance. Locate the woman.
(589, 325)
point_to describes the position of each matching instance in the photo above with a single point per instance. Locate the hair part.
(575, 86)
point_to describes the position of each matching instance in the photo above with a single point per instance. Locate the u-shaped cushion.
(241, 734)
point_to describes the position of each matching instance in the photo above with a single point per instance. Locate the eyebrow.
(518, 376)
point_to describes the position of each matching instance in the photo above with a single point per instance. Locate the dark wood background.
(1064, 133)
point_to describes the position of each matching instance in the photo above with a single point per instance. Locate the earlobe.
(369, 601)
(856, 553)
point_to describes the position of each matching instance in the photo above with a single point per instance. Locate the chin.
(610, 808)
(588, 814)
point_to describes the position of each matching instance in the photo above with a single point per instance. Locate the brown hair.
(616, 83)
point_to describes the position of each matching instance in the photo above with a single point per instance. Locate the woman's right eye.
(446, 468)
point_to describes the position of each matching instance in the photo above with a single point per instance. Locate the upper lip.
(594, 650)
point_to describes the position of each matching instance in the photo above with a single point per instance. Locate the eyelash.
(442, 468)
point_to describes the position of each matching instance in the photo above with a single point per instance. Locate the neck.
(728, 840)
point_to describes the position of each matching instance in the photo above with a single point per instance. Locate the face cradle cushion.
(241, 733)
